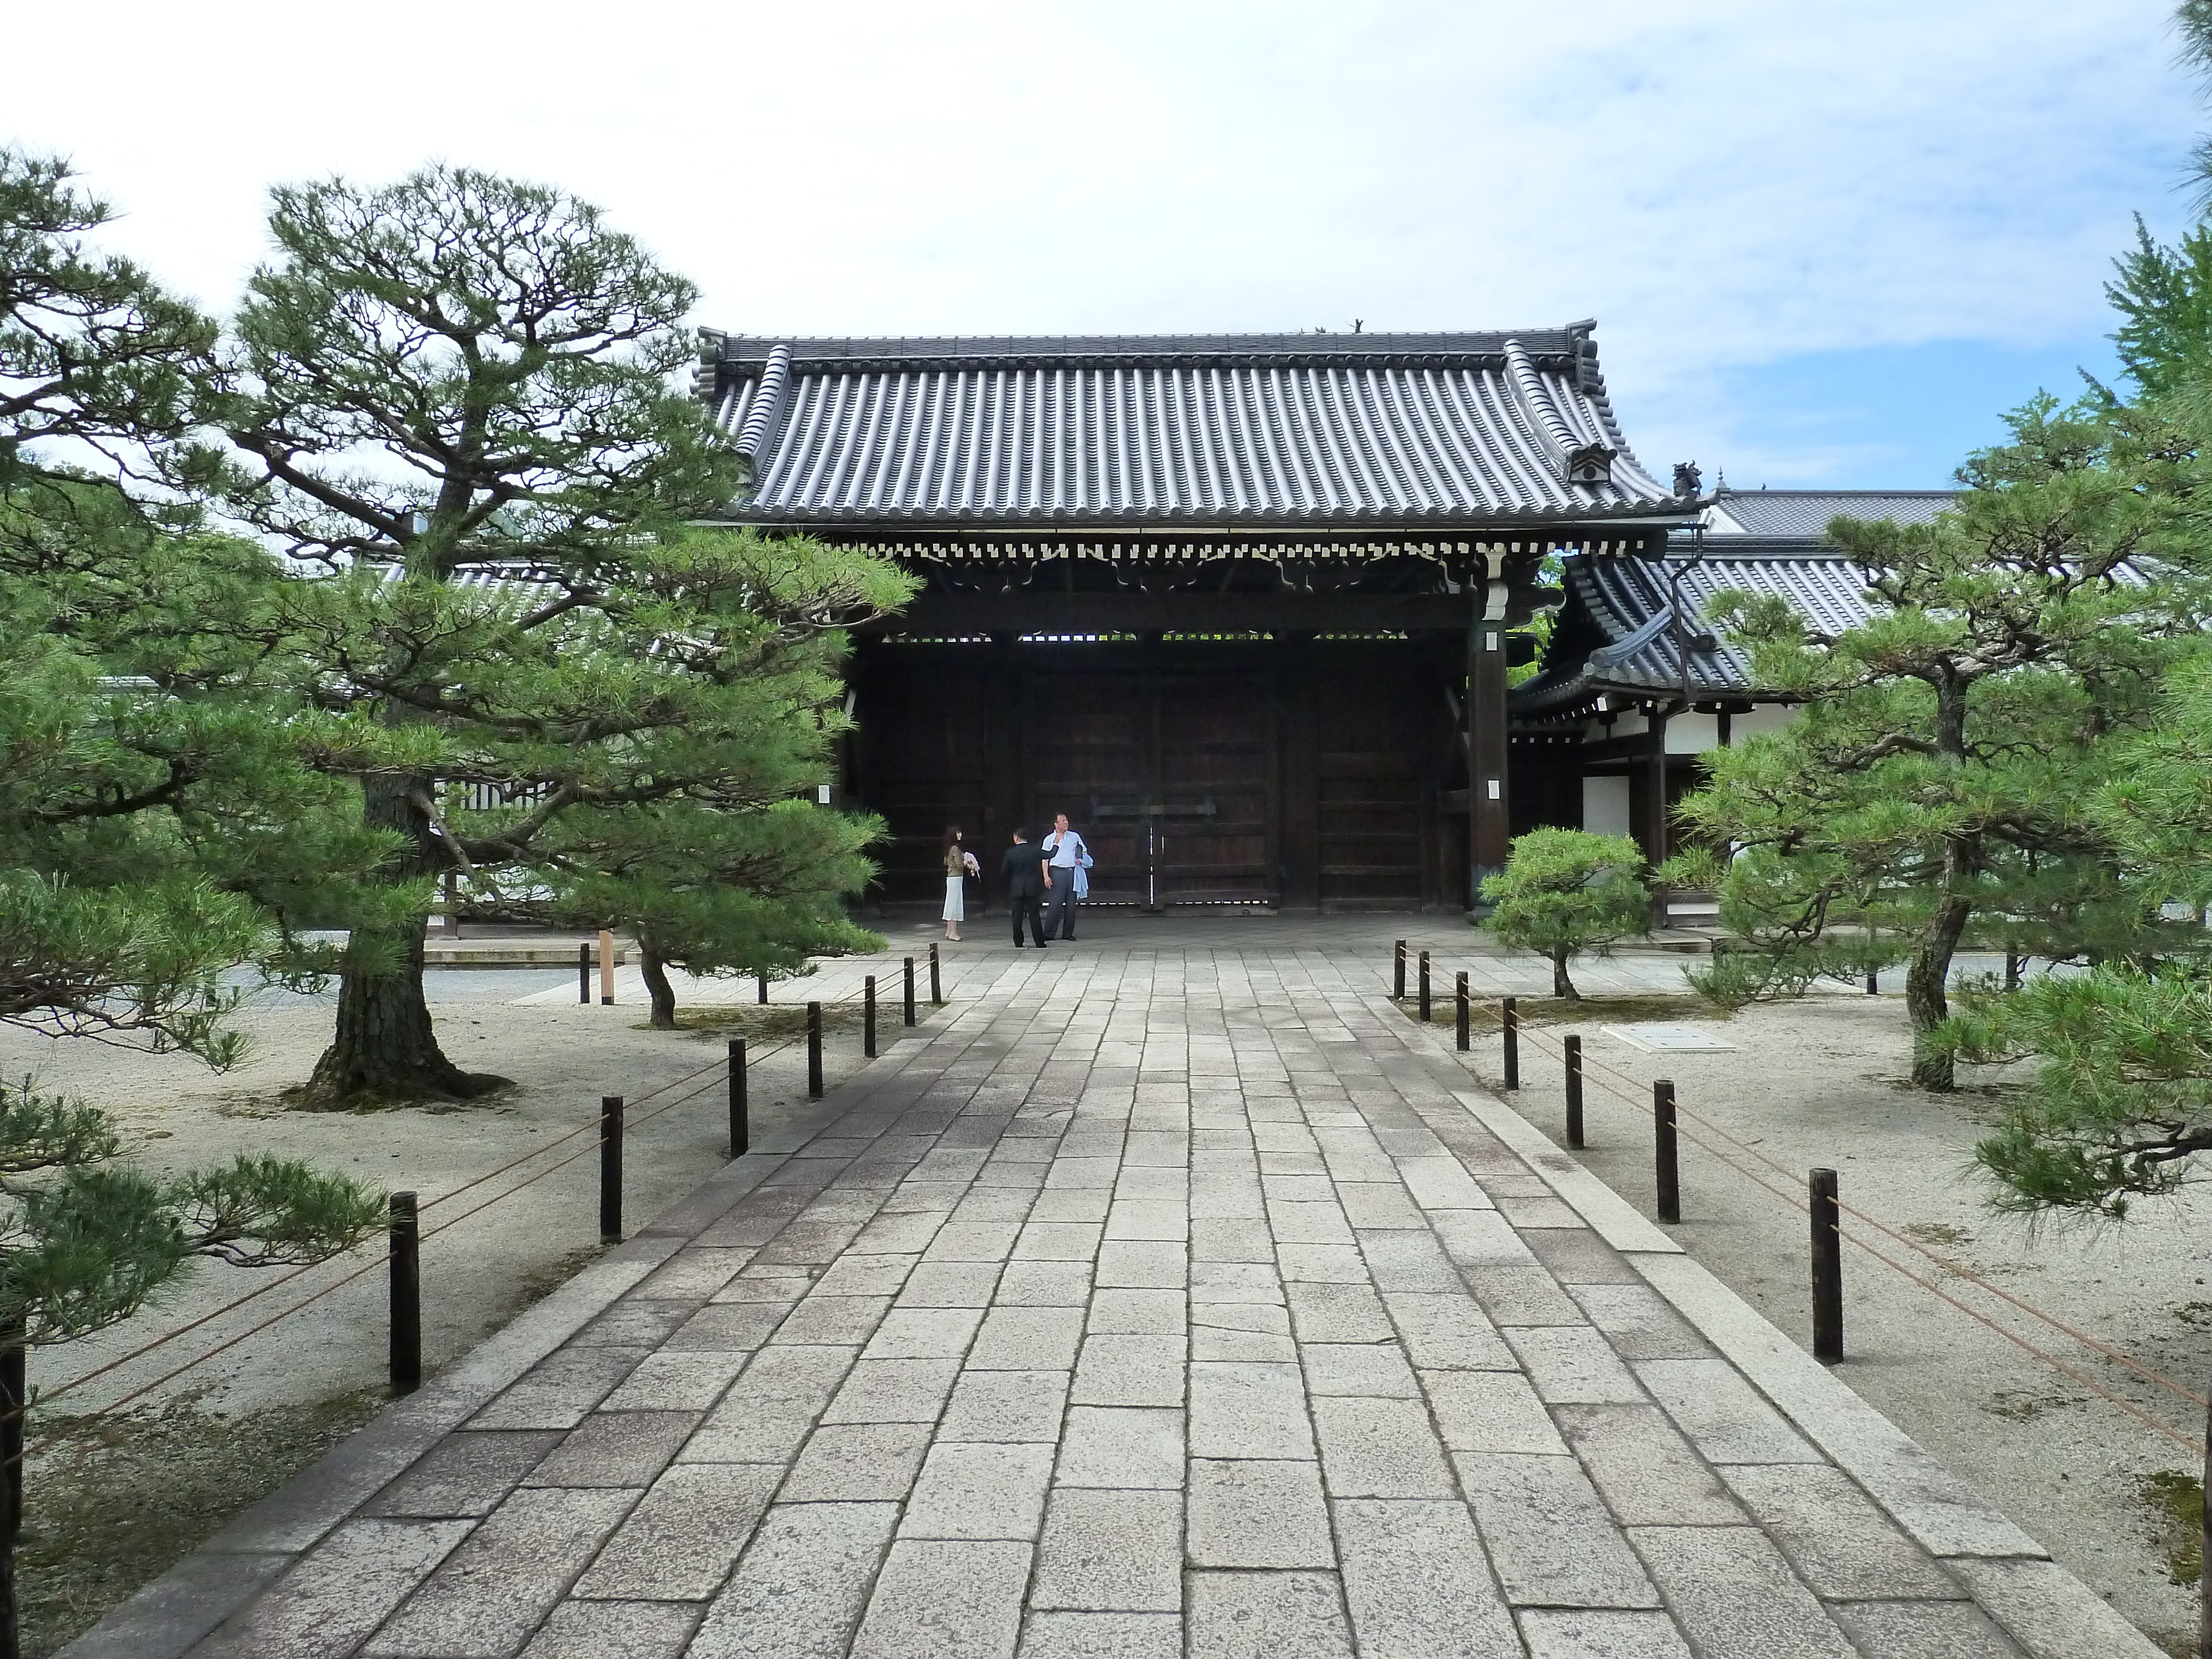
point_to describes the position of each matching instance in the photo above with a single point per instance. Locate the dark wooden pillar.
(1655, 803)
(1004, 786)
(1298, 673)
(1489, 821)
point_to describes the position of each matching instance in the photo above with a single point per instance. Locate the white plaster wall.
(1692, 734)
(1764, 717)
(1605, 806)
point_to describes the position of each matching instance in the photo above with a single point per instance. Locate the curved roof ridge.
(1529, 386)
(1264, 431)
(764, 412)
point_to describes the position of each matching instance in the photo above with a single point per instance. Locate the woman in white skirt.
(959, 865)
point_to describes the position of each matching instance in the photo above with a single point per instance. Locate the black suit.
(1025, 867)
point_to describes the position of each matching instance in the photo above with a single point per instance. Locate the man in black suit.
(1027, 883)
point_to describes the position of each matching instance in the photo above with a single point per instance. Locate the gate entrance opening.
(1171, 778)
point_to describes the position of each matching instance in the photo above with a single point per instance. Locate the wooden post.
(814, 1050)
(1874, 983)
(611, 1171)
(404, 1229)
(606, 968)
(1466, 1035)
(1398, 973)
(1669, 1166)
(1509, 1017)
(868, 1017)
(450, 925)
(1574, 1047)
(761, 998)
(741, 1128)
(907, 1009)
(936, 984)
(1827, 1268)
(1424, 987)
(584, 974)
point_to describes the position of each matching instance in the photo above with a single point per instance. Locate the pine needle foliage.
(1937, 785)
(2119, 1103)
(1565, 891)
(160, 816)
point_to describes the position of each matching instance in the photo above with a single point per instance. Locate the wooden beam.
(939, 613)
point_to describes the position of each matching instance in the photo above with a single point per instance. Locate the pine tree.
(2120, 1103)
(158, 816)
(458, 397)
(1565, 890)
(1941, 773)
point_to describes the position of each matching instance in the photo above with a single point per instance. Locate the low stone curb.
(2049, 1612)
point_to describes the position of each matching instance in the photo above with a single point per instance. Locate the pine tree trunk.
(1561, 985)
(13, 1393)
(1924, 980)
(385, 1046)
(654, 968)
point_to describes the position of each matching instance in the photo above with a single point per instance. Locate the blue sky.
(1825, 246)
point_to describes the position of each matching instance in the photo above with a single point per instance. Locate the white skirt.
(956, 903)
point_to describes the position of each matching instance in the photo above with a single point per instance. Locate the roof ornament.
(1688, 481)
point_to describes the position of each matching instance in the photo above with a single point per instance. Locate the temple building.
(1241, 605)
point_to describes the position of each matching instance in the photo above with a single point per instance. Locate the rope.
(596, 1123)
(2119, 1357)
(2127, 1362)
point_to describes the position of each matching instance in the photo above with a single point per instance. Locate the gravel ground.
(1821, 1083)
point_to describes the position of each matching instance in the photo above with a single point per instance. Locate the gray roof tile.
(1260, 429)
(1807, 511)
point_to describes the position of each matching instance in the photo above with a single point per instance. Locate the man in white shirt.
(1064, 852)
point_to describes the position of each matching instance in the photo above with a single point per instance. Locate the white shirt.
(1066, 849)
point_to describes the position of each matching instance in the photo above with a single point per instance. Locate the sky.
(1826, 245)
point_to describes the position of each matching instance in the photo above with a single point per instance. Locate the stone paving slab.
(1152, 1301)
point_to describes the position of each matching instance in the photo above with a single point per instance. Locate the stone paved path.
(1151, 1302)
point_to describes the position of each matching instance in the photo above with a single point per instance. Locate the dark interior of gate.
(1259, 771)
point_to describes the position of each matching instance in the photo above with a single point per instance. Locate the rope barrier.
(2179, 1390)
(595, 1123)
(2119, 1357)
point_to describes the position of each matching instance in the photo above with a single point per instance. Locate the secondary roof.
(1807, 511)
(1616, 631)
(1236, 430)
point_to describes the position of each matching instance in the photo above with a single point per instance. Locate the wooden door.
(1170, 778)
(922, 711)
(1088, 756)
(1372, 721)
(1216, 795)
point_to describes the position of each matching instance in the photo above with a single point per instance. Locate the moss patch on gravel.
(113, 1511)
(780, 1021)
(2175, 1501)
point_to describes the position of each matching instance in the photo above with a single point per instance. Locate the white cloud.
(1723, 183)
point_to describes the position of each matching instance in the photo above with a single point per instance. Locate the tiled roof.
(1617, 633)
(1807, 511)
(1295, 430)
